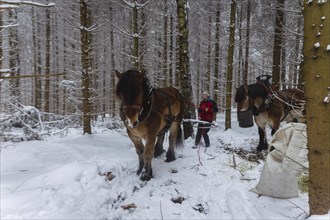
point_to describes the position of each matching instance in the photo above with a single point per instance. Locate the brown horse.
(269, 106)
(148, 113)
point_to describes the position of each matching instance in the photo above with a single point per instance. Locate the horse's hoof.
(146, 176)
(170, 157)
(262, 147)
(158, 153)
(138, 172)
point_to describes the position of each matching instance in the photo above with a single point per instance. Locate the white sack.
(278, 178)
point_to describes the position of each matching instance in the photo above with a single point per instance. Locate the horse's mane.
(240, 94)
(129, 85)
(257, 90)
(254, 90)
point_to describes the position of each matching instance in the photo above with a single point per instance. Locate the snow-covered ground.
(94, 177)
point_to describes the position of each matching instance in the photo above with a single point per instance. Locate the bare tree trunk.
(165, 60)
(135, 29)
(247, 44)
(171, 52)
(85, 38)
(113, 66)
(316, 71)
(47, 67)
(229, 83)
(185, 75)
(217, 54)
(36, 60)
(209, 50)
(1, 50)
(14, 58)
(278, 41)
(240, 48)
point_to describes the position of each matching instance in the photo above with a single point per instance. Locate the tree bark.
(37, 61)
(135, 29)
(217, 54)
(316, 71)
(165, 58)
(209, 50)
(14, 58)
(247, 44)
(278, 41)
(47, 64)
(184, 71)
(229, 84)
(85, 38)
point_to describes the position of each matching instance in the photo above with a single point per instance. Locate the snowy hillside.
(93, 177)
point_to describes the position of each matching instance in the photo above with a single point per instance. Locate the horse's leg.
(170, 155)
(139, 148)
(276, 125)
(262, 134)
(159, 146)
(148, 155)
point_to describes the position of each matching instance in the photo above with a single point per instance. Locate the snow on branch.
(16, 3)
(135, 4)
(29, 123)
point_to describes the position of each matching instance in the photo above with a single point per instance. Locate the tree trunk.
(47, 66)
(171, 52)
(278, 41)
(85, 38)
(135, 29)
(165, 62)
(1, 50)
(240, 48)
(229, 84)
(209, 51)
(316, 71)
(14, 58)
(247, 44)
(185, 75)
(113, 66)
(217, 54)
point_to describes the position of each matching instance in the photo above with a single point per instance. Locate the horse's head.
(250, 97)
(242, 98)
(130, 91)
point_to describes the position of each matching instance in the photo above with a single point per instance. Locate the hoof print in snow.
(200, 208)
(108, 176)
(173, 171)
(178, 199)
(129, 206)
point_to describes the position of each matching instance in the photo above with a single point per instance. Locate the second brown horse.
(270, 106)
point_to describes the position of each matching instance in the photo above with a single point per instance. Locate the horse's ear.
(142, 73)
(118, 74)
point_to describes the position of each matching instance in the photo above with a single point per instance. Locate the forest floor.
(75, 176)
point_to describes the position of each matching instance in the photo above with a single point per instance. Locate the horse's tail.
(179, 138)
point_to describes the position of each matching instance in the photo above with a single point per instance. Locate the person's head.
(205, 95)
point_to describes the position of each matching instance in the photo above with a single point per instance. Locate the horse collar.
(147, 106)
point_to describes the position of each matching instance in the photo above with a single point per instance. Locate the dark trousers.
(202, 130)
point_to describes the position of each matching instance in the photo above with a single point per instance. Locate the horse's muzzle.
(130, 124)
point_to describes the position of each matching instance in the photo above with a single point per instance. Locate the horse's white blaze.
(128, 122)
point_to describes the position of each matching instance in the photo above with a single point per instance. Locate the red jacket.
(205, 110)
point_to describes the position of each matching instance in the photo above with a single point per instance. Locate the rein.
(143, 115)
(139, 107)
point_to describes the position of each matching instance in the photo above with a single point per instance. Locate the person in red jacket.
(205, 113)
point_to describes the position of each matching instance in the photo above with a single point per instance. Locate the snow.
(64, 178)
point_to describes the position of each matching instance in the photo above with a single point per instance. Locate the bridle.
(143, 115)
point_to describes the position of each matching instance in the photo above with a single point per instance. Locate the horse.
(148, 113)
(270, 106)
